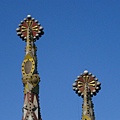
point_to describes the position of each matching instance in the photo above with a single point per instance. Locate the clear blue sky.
(79, 35)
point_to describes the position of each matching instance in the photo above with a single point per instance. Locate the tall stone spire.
(87, 85)
(30, 30)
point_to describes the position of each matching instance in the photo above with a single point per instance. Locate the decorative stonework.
(30, 27)
(30, 30)
(87, 85)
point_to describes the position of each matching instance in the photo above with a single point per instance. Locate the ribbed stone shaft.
(87, 107)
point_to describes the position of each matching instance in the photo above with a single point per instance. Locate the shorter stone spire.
(86, 85)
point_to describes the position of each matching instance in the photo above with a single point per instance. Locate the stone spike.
(86, 72)
(41, 27)
(74, 84)
(18, 33)
(78, 76)
(93, 76)
(22, 22)
(79, 92)
(94, 90)
(96, 79)
(18, 29)
(36, 21)
(74, 88)
(98, 83)
(25, 19)
(90, 73)
(29, 16)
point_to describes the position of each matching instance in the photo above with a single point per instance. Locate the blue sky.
(79, 35)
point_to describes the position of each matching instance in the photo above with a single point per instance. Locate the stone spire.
(30, 30)
(87, 85)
